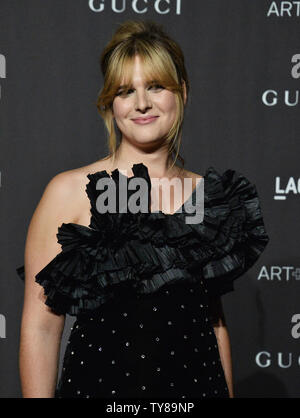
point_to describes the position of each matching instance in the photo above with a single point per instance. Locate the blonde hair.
(163, 62)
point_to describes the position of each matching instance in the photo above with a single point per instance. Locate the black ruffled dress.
(140, 285)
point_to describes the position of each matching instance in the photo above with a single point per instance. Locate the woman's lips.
(145, 121)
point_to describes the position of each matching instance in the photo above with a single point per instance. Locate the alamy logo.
(296, 328)
(2, 69)
(295, 72)
(138, 201)
(2, 326)
(161, 7)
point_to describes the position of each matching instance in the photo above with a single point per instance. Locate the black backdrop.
(243, 61)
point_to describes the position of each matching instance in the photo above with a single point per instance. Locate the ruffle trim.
(144, 251)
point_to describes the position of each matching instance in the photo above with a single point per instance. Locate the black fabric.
(145, 251)
(140, 286)
(160, 346)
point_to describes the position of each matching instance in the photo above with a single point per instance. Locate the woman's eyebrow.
(124, 85)
(127, 85)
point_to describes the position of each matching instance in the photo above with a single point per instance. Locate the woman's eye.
(157, 86)
(124, 92)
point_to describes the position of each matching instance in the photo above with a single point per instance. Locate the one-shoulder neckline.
(116, 172)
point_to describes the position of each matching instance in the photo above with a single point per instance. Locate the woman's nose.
(142, 101)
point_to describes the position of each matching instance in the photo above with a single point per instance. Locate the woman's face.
(144, 100)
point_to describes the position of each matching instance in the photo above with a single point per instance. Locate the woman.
(145, 287)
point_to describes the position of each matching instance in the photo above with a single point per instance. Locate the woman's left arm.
(221, 332)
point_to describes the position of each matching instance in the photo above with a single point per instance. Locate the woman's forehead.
(142, 66)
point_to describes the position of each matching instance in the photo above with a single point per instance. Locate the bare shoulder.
(69, 188)
(62, 194)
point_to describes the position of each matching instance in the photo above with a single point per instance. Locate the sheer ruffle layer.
(144, 251)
